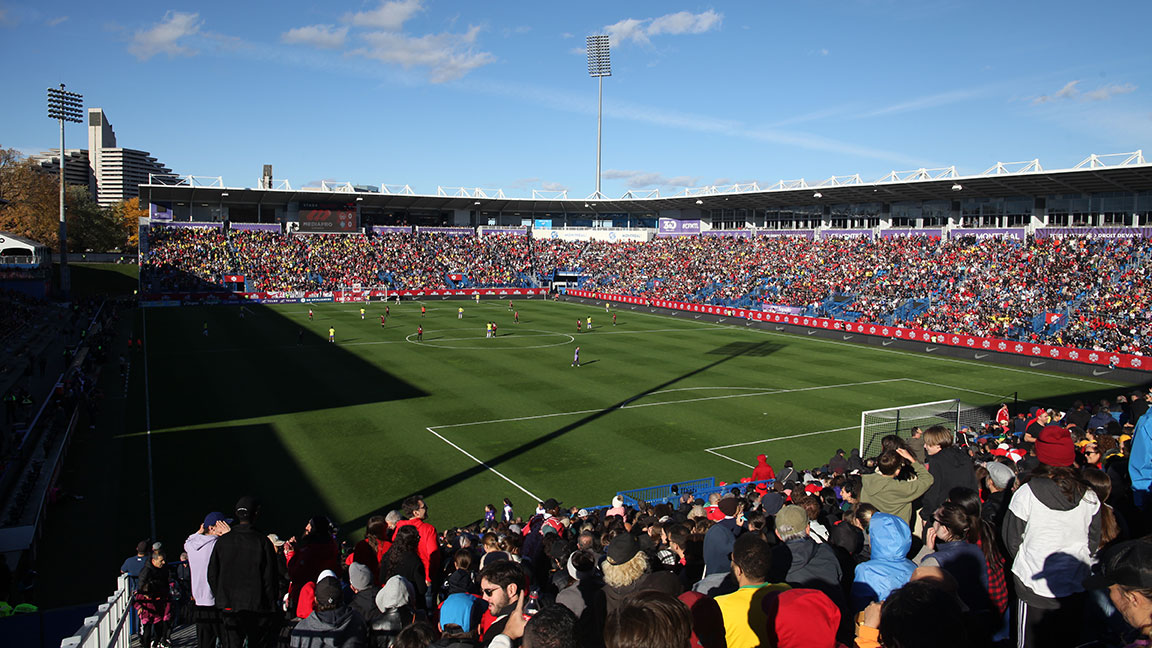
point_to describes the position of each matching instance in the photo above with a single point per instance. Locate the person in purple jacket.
(199, 547)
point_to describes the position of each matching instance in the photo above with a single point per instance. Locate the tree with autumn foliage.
(128, 214)
(33, 210)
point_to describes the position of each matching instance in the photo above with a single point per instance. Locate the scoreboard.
(328, 217)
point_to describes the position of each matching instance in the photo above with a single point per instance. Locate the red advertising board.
(974, 342)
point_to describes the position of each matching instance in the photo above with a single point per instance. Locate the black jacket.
(951, 467)
(242, 571)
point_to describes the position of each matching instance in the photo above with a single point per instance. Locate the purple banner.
(677, 227)
(984, 233)
(1095, 232)
(897, 233)
(257, 227)
(391, 229)
(191, 224)
(846, 233)
(808, 234)
(729, 233)
(448, 231)
(160, 211)
(782, 309)
(518, 231)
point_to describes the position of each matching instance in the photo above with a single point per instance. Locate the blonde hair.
(938, 435)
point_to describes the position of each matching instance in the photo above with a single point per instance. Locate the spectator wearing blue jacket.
(1140, 463)
(889, 567)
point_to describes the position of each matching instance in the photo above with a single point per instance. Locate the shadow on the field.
(232, 461)
(754, 349)
(298, 369)
(464, 475)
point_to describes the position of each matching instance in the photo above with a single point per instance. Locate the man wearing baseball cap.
(199, 548)
(1127, 575)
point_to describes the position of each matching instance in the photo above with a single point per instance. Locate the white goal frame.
(954, 403)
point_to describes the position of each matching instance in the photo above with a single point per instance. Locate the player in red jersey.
(422, 311)
(515, 317)
(383, 320)
(578, 324)
(613, 319)
(419, 333)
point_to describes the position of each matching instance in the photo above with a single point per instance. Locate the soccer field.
(265, 404)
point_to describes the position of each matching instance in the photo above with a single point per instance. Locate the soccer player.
(589, 323)
(383, 320)
(460, 313)
(613, 319)
(477, 296)
(487, 329)
(205, 328)
(309, 314)
(515, 317)
(387, 311)
(578, 324)
(332, 334)
(361, 313)
(576, 358)
(606, 306)
(494, 328)
(423, 310)
(419, 332)
(510, 305)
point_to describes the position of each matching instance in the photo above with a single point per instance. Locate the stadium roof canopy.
(10, 244)
(1093, 175)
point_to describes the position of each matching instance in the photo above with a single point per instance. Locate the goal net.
(953, 414)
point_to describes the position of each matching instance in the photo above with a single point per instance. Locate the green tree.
(91, 228)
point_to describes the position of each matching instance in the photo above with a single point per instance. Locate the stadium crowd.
(1075, 290)
(1030, 531)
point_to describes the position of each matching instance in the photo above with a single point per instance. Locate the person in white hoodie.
(199, 547)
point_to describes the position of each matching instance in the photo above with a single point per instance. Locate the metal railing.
(108, 628)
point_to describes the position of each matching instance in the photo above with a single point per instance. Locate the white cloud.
(929, 101)
(1068, 91)
(1107, 92)
(642, 179)
(390, 16)
(165, 36)
(447, 56)
(553, 186)
(1071, 91)
(641, 30)
(322, 36)
(56, 21)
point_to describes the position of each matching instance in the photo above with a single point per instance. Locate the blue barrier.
(665, 492)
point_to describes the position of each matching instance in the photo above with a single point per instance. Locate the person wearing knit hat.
(1052, 532)
(802, 618)
(331, 623)
(1054, 447)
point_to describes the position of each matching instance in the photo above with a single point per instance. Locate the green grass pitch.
(265, 404)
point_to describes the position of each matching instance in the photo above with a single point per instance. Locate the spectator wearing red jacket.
(762, 471)
(429, 549)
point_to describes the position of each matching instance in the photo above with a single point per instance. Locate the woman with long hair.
(403, 559)
(984, 533)
(1052, 532)
(311, 554)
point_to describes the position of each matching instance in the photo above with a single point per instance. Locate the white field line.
(762, 392)
(774, 392)
(473, 458)
(749, 466)
(790, 436)
(973, 391)
(921, 355)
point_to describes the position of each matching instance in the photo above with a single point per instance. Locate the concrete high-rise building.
(111, 173)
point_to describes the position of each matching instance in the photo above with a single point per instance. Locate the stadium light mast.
(599, 66)
(64, 106)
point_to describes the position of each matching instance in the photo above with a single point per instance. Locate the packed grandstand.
(1030, 531)
(1076, 291)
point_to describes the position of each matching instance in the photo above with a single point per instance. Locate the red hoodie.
(763, 471)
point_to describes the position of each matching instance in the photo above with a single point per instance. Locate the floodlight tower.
(599, 66)
(64, 106)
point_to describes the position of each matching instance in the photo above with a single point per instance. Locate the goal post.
(952, 413)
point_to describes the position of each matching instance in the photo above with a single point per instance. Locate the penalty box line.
(769, 392)
(843, 429)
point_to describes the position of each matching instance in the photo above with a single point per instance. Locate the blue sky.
(496, 94)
